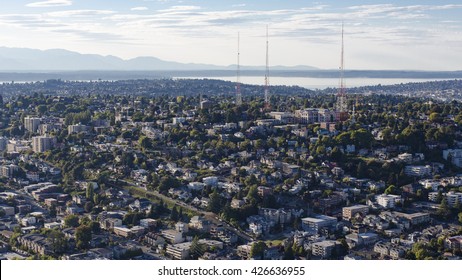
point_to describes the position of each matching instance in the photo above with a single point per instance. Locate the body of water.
(318, 83)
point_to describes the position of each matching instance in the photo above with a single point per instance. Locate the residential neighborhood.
(129, 170)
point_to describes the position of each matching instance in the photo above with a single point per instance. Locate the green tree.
(132, 218)
(252, 194)
(460, 217)
(96, 199)
(387, 135)
(251, 180)
(421, 254)
(326, 193)
(343, 138)
(443, 210)
(57, 241)
(439, 197)
(343, 245)
(215, 202)
(145, 143)
(88, 206)
(362, 138)
(95, 227)
(59, 107)
(320, 150)
(435, 117)
(391, 190)
(89, 192)
(41, 109)
(289, 253)
(361, 170)
(259, 144)
(336, 154)
(71, 221)
(174, 216)
(258, 249)
(458, 118)
(126, 134)
(168, 182)
(83, 236)
(419, 251)
(197, 249)
(53, 211)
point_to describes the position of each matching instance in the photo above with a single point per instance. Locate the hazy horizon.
(36, 56)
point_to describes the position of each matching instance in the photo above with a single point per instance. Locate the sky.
(389, 35)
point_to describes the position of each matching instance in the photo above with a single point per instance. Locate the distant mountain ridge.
(23, 59)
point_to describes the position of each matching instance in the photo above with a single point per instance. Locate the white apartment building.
(41, 144)
(387, 201)
(418, 170)
(210, 181)
(179, 251)
(172, 236)
(316, 223)
(455, 155)
(76, 128)
(451, 197)
(32, 123)
(314, 115)
(323, 249)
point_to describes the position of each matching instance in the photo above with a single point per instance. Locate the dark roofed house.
(36, 242)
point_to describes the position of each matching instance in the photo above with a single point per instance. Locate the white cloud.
(387, 29)
(49, 3)
(315, 8)
(445, 7)
(80, 13)
(385, 8)
(180, 9)
(74, 24)
(139, 9)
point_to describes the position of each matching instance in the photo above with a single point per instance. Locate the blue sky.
(420, 35)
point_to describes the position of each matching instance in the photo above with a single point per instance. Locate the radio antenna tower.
(353, 114)
(238, 76)
(342, 106)
(267, 93)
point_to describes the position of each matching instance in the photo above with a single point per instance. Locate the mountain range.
(22, 59)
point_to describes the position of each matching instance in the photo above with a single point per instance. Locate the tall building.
(8, 170)
(41, 144)
(45, 128)
(32, 123)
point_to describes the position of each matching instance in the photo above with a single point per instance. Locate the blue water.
(318, 83)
